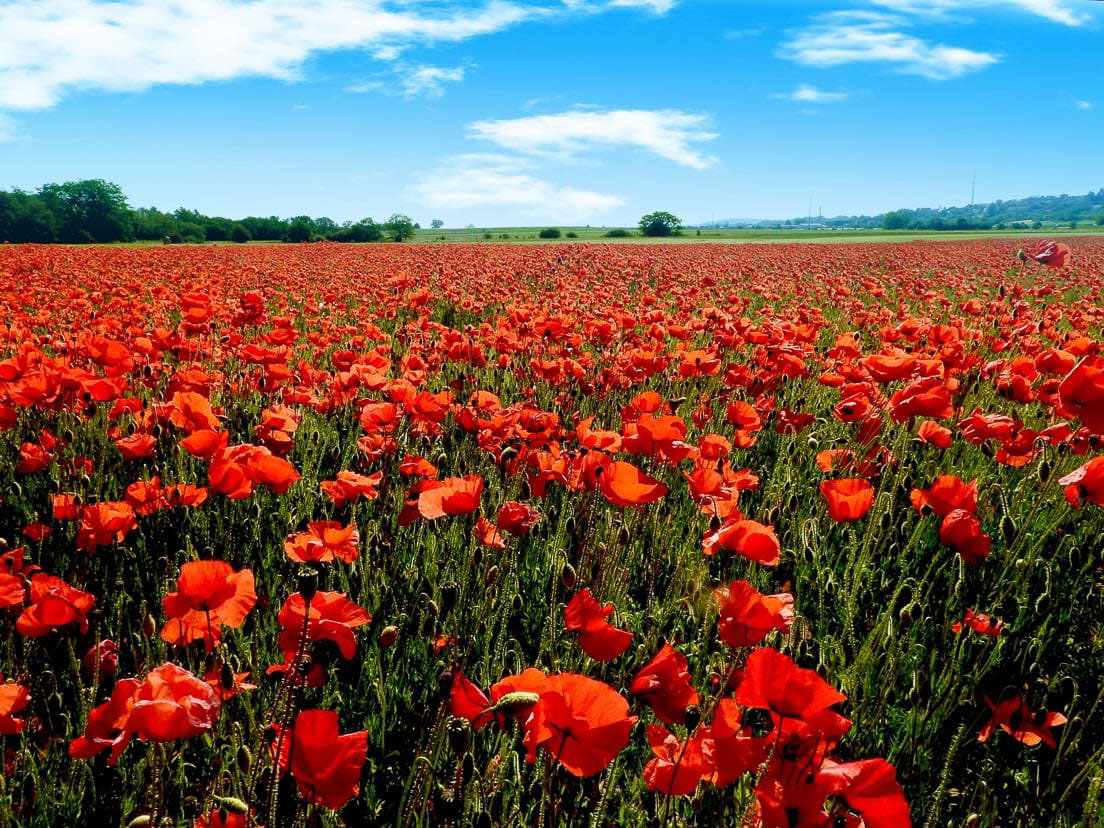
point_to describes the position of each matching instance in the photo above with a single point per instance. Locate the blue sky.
(553, 111)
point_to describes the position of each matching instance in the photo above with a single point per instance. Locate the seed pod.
(307, 584)
(693, 717)
(459, 735)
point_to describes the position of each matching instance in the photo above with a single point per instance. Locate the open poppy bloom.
(1085, 482)
(1015, 718)
(946, 494)
(172, 704)
(451, 496)
(324, 762)
(209, 595)
(980, 623)
(103, 524)
(350, 486)
(106, 726)
(54, 604)
(747, 616)
(772, 681)
(754, 541)
(623, 484)
(664, 683)
(677, 766)
(599, 639)
(1051, 253)
(1081, 393)
(333, 617)
(961, 531)
(323, 541)
(13, 698)
(849, 499)
(582, 723)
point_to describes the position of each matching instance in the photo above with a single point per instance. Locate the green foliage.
(398, 227)
(240, 234)
(660, 223)
(550, 233)
(436, 224)
(896, 220)
(93, 210)
(617, 233)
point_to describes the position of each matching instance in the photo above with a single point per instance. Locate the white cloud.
(51, 47)
(853, 37)
(429, 80)
(1084, 106)
(667, 133)
(810, 94)
(1058, 11)
(489, 180)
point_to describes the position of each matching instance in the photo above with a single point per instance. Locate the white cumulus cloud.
(491, 180)
(838, 38)
(668, 133)
(1057, 11)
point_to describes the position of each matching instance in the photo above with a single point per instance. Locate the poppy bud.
(492, 575)
(569, 525)
(884, 521)
(244, 759)
(808, 554)
(459, 735)
(140, 821)
(307, 583)
(518, 604)
(623, 536)
(450, 594)
(1044, 470)
(226, 677)
(444, 680)
(441, 459)
(813, 443)
(973, 820)
(714, 523)
(388, 636)
(567, 576)
(149, 625)
(156, 431)
(1008, 529)
(516, 702)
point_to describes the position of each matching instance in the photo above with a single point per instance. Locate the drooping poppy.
(599, 639)
(664, 683)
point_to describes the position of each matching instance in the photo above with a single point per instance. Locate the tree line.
(97, 211)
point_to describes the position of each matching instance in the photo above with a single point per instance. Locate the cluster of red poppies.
(163, 366)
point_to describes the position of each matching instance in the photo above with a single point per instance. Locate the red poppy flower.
(324, 541)
(946, 494)
(106, 726)
(870, 788)
(13, 698)
(1015, 718)
(333, 617)
(517, 518)
(623, 484)
(192, 412)
(222, 818)
(754, 541)
(677, 766)
(664, 683)
(1086, 482)
(452, 496)
(1051, 253)
(102, 658)
(103, 524)
(961, 531)
(1081, 393)
(54, 604)
(599, 639)
(747, 616)
(205, 443)
(324, 762)
(209, 595)
(582, 723)
(849, 499)
(771, 680)
(416, 466)
(980, 623)
(32, 458)
(350, 486)
(172, 704)
(935, 434)
(13, 591)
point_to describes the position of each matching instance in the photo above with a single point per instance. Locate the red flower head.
(623, 484)
(350, 486)
(946, 494)
(1016, 719)
(172, 704)
(581, 722)
(962, 532)
(323, 541)
(54, 604)
(103, 524)
(325, 763)
(333, 617)
(747, 616)
(104, 657)
(677, 766)
(517, 518)
(106, 727)
(1081, 393)
(848, 499)
(13, 698)
(754, 541)
(1051, 253)
(664, 683)
(451, 496)
(1085, 482)
(599, 639)
(209, 595)
(772, 681)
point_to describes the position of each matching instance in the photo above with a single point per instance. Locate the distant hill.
(1045, 210)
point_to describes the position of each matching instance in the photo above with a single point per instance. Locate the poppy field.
(781, 535)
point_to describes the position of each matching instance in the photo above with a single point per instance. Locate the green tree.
(299, 231)
(895, 220)
(92, 210)
(240, 234)
(26, 218)
(550, 233)
(660, 223)
(437, 224)
(399, 227)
